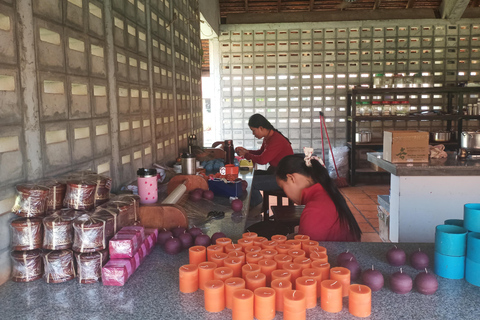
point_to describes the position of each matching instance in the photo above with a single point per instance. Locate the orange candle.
(234, 263)
(342, 275)
(318, 249)
(249, 235)
(318, 256)
(301, 237)
(242, 307)
(308, 286)
(360, 300)
(281, 275)
(306, 245)
(279, 238)
(295, 253)
(238, 254)
(188, 278)
(255, 249)
(331, 296)
(283, 248)
(294, 305)
(250, 267)
(231, 285)
(280, 286)
(253, 257)
(259, 240)
(197, 254)
(222, 273)
(323, 267)
(269, 245)
(281, 259)
(294, 269)
(205, 273)
(214, 296)
(268, 253)
(314, 274)
(218, 258)
(232, 247)
(255, 280)
(303, 262)
(267, 266)
(214, 249)
(264, 303)
(296, 244)
(223, 242)
(245, 243)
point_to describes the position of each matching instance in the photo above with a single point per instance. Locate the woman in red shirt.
(326, 216)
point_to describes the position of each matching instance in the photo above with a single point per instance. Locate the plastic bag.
(341, 160)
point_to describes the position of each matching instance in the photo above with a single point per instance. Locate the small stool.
(288, 216)
(266, 201)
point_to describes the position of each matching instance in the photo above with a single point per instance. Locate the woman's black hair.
(296, 164)
(257, 121)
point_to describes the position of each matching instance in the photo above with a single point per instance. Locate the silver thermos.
(188, 164)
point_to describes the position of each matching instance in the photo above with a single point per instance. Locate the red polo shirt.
(272, 151)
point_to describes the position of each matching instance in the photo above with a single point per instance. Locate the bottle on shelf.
(398, 81)
(378, 80)
(376, 108)
(388, 82)
(358, 108)
(387, 108)
(366, 109)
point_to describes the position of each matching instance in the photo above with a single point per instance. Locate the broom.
(339, 181)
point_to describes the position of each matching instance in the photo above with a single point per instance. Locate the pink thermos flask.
(147, 185)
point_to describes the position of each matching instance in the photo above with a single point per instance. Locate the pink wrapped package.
(151, 243)
(137, 235)
(137, 259)
(152, 232)
(141, 229)
(144, 252)
(123, 245)
(116, 272)
(133, 261)
(148, 246)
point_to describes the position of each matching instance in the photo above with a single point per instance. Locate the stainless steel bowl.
(363, 136)
(441, 136)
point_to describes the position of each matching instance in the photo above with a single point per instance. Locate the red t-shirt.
(319, 219)
(272, 151)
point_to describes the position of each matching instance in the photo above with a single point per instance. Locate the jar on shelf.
(358, 108)
(398, 81)
(408, 81)
(387, 108)
(417, 80)
(376, 108)
(402, 108)
(378, 80)
(427, 81)
(366, 109)
(388, 82)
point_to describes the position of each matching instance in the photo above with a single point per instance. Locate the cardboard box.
(405, 146)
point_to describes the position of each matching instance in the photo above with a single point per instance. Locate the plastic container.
(398, 81)
(471, 217)
(388, 82)
(366, 109)
(147, 185)
(451, 240)
(387, 109)
(378, 80)
(449, 267)
(377, 108)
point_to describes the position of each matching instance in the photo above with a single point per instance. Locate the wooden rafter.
(311, 4)
(279, 3)
(377, 4)
(246, 5)
(410, 4)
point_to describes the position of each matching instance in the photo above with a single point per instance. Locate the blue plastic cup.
(450, 240)
(471, 217)
(449, 267)
(472, 272)
(473, 246)
(454, 222)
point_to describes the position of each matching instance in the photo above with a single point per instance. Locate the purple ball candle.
(354, 268)
(419, 260)
(401, 283)
(396, 257)
(344, 256)
(373, 279)
(426, 283)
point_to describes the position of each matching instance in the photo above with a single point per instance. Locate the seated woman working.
(275, 146)
(326, 216)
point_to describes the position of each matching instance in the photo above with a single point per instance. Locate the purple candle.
(373, 279)
(426, 283)
(344, 256)
(401, 283)
(354, 268)
(419, 260)
(396, 257)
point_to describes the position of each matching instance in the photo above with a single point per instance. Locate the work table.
(152, 293)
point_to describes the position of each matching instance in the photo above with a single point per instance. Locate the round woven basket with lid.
(27, 265)
(59, 266)
(58, 231)
(31, 200)
(80, 194)
(27, 234)
(89, 234)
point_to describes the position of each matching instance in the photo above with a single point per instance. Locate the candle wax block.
(151, 242)
(122, 246)
(143, 251)
(137, 235)
(137, 259)
(140, 229)
(116, 272)
(152, 232)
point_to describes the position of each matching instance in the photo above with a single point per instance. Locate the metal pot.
(470, 140)
(363, 136)
(441, 136)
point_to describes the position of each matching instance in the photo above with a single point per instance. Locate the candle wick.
(426, 270)
(395, 247)
(333, 283)
(351, 258)
(401, 271)
(293, 295)
(279, 284)
(372, 267)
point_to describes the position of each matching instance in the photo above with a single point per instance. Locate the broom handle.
(321, 132)
(322, 118)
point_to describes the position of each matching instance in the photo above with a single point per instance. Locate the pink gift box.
(140, 229)
(143, 252)
(122, 246)
(116, 272)
(136, 235)
(151, 243)
(152, 232)
(137, 259)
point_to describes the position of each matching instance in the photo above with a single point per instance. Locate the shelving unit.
(455, 96)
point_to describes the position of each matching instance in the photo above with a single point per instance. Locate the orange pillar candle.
(360, 300)
(318, 249)
(281, 259)
(259, 240)
(238, 254)
(331, 296)
(318, 256)
(308, 286)
(232, 247)
(280, 286)
(294, 269)
(250, 267)
(264, 303)
(294, 305)
(249, 235)
(197, 254)
(213, 249)
(222, 273)
(205, 272)
(234, 263)
(279, 238)
(314, 274)
(303, 262)
(295, 253)
(269, 244)
(218, 258)
(231, 285)
(283, 248)
(269, 253)
(253, 257)
(301, 237)
(245, 243)
(223, 242)
(255, 280)
(267, 266)
(255, 249)
(306, 245)
(296, 244)
(323, 267)
(281, 275)
(242, 307)
(342, 275)
(188, 278)
(214, 296)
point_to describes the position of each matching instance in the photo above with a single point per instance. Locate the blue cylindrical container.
(471, 217)
(473, 246)
(472, 272)
(454, 222)
(450, 240)
(449, 267)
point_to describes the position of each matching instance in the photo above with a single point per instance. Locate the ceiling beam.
(279, 3)
(410, 4)
(377, 4)
(246, 5)
(453, 9)
(311, 4)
